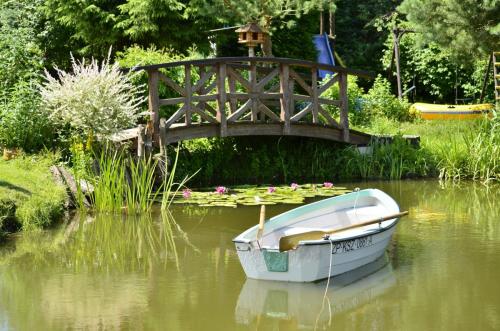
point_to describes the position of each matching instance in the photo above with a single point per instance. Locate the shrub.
(21, 58)
(23, 123)
(355, 96)
(93, 99)
(380, 101)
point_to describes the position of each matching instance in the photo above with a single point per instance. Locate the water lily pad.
(251, 195)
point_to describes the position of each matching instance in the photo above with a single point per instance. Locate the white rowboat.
(349, 231)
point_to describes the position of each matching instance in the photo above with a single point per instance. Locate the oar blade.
(292, 241)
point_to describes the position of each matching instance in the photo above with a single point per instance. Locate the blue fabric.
(325, 54)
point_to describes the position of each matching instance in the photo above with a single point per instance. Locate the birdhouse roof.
(250, 27)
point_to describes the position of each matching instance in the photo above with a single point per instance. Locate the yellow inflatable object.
(430, 111)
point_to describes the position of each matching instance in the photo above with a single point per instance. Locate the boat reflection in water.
(298, 306)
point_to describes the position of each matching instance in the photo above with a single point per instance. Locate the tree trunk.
(267, 46)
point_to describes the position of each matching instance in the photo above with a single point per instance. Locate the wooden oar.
(292, 241)
(261, 221)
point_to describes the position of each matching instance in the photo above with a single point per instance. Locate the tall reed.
(171, 188)
(385, 161)
(124, 184)
(110, 185)
(140, 191)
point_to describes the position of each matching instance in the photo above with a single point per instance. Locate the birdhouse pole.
(250, 35)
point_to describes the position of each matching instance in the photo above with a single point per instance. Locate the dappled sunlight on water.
(182, 273)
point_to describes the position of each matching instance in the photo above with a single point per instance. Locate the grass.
(453, 149)
(29, 198)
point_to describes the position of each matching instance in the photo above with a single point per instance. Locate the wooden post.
(344, 105)
(332, 23)
(321, 24)
(154, 99)
(486, 76)
(141, 137)
(253, 85)
(396, 35)
(285, 97)
(314, 89)
(221, 99)
(163, 137)
(233, 102)
(291, 89)
(202, 89)
(189, 93)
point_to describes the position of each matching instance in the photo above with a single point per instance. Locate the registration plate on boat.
(351, 245)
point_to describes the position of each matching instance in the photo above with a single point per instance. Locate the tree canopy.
(464, 27)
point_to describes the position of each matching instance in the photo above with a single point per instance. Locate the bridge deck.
(179, 132)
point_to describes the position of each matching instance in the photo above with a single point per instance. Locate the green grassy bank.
(29, 197)
(449, 150)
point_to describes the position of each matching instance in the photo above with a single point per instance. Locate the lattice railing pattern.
(256, 90)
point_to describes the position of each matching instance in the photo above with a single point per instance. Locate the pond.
(441, 271)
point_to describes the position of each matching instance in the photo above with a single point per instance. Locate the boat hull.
(311, 261)
(451, 112)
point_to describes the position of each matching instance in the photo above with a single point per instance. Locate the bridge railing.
(223, 91)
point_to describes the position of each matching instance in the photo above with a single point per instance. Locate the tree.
(266, 13)
(96, 25)
(465, 27)
(21, 58)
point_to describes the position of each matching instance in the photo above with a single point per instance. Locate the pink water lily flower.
(271, 189)
(186, 193)
(294, 186)
(220, 190)
(327, 184)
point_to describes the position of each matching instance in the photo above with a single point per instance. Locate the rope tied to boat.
(325, 297)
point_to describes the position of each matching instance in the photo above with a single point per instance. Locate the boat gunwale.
(327, 241)
(373, 192)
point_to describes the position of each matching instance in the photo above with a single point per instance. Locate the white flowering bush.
(94, 99)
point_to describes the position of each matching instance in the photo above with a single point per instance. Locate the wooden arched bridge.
(244, 96)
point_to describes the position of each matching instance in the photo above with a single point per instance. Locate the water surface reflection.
(152, 273)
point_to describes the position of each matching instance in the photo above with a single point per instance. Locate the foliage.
(465, 27)
(474, 155)
(95, 98)
(268, 14)
(132, 185)
(23, 122)
(263, 12)
(434, 70)
(357, 41)
(364, 108)
(136, 56)
(124, 183)
(95, 26)
(357, 113)
(380, 101)
(21, 56)
(392, 161)
(28, 182)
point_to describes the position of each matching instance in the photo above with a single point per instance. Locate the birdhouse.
(250, 35)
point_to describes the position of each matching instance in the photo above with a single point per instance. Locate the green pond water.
(441, 272)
